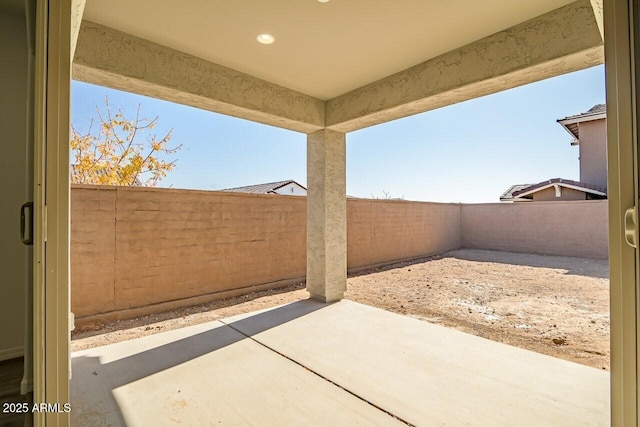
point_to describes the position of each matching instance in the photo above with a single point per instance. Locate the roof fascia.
(562, 184)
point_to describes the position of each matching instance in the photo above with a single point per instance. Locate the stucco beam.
(77, 10)
(598, 11)
(108, 57)
(564, 40)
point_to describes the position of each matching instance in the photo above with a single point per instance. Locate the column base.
(326, 299)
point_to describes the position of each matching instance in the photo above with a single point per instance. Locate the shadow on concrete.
(92, 399)
(149, 362)
(93, 382)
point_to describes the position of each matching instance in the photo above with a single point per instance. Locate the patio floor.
(341, 364)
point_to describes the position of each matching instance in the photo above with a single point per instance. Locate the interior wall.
(14, 168)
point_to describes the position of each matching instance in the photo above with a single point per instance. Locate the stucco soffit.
(561, 41)
(108, 57)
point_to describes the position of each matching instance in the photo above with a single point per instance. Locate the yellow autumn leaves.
(114, 154)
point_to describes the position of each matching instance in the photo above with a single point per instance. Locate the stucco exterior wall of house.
(593, 152)
(291, 190)
(571, 228)
(549, 195)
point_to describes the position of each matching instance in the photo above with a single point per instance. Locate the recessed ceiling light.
(323, 1)
(265, 38)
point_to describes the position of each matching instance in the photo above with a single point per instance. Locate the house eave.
(561, 184)
(566, 124)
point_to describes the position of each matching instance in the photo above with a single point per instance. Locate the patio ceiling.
(341, 64)
(321, 49)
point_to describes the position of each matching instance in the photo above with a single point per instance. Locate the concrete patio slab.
(429, 375)
(206, 375)
(341, 364)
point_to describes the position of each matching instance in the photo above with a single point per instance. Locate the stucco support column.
(326, 215)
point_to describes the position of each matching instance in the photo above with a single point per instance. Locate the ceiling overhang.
(119, 60)
(563, 40)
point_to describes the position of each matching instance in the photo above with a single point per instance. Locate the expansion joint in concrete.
(230, 325)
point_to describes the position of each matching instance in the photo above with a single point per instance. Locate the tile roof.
(269, 187)
(508, 195)
(596, 109)
(588, 188)
(517, 191)
(570, 123)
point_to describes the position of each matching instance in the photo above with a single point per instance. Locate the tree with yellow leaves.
(114, 155)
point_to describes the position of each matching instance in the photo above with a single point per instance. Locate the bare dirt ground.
(553, 305)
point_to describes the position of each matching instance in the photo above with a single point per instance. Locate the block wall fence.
(136, 251)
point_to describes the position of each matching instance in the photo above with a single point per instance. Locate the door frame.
(51, 192)
(622, 148)
(51, 297)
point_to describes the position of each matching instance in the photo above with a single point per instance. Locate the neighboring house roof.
(571, 123)
(73, 172)
(526, 193)
(267, 188)
(508, 195)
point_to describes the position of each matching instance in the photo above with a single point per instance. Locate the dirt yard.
(553, 305)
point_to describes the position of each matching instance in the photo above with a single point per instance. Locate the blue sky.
(467, 152)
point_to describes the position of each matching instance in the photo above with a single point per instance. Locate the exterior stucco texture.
(593, 152)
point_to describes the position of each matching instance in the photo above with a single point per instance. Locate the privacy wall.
(570, 228)
(379, 231)
(136, 251)
(139, 250)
